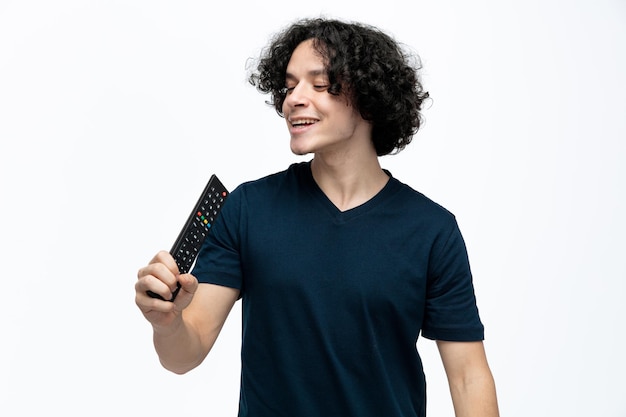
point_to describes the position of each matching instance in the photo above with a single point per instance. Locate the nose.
(297, 96)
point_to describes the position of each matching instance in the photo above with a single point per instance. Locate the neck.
(348, 181)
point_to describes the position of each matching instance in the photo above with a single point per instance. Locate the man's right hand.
(161, 276)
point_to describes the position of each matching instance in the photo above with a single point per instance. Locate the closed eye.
(317, 87)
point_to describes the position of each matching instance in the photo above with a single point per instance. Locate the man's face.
(318, 122)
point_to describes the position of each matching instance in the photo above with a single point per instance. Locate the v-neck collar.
(332, 210)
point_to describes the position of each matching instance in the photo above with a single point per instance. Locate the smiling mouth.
(302, 122)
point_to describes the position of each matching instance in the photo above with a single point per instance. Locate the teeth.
(302, 122)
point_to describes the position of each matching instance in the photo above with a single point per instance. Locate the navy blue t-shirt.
(333, 302)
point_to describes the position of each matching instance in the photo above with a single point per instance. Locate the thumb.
(188, 286)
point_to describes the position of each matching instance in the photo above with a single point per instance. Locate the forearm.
(179, 347)
(475, 396)
(471, 383)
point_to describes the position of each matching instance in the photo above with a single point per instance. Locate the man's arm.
(471, 383)
(184, 345)
(184, 330)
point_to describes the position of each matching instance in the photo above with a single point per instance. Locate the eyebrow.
(312, 73)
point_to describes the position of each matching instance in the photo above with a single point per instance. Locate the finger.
(165, 258)
(188, 283)
(188, 286)
(148, 304)
(160, 272)
(150, 286)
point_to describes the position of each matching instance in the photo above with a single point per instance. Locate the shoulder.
(272, 181)
(417, 203)
(271, 188)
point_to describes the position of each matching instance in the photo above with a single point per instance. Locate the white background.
(113, 114)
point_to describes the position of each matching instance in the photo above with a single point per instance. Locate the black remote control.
(196, 228)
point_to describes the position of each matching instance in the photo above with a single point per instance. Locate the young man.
(339, 265)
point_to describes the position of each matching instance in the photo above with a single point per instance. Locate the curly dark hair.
(378, 77)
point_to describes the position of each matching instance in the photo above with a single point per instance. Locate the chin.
(298, 150)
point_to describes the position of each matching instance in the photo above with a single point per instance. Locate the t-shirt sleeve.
(451, 313)
(219, 261)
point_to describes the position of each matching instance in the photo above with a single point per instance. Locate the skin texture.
(345, 165)
(346, 168)
(471, 383)
(185, 330)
